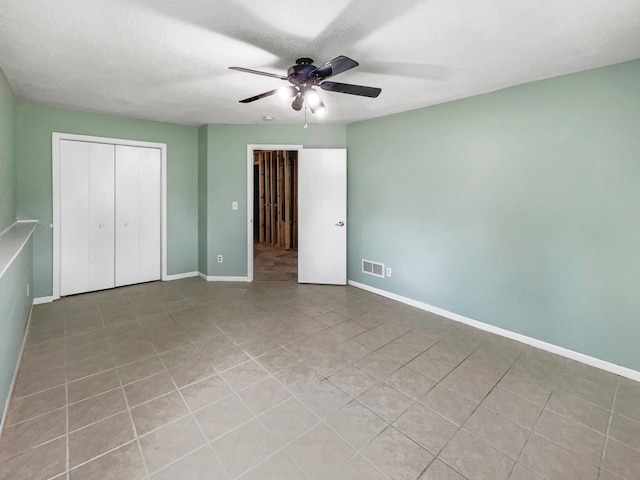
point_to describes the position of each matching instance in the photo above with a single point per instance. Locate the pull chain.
(306, 125)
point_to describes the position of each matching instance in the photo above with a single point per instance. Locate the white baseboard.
(180, 276)
(549, 347)
(222, 279)
(15, 373)
(39, 300)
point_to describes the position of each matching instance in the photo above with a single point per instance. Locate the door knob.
(340, 224)
(101, 225)
(126, 224)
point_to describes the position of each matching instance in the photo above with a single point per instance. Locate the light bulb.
(320, 111)
(312, 98)
(285, 92)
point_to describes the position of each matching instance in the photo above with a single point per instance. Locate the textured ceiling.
(167, 60)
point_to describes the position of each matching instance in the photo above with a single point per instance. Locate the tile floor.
(271, 263)
(195, 380)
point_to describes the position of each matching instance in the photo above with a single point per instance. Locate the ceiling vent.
(373, 268)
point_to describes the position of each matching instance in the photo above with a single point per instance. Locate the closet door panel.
(138, 215)
(86, 216)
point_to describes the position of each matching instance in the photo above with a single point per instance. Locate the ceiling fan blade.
(258, 97)
(257, 72)
(363, 91)
(334, 67)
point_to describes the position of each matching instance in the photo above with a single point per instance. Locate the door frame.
(250, 150)
(56, 137)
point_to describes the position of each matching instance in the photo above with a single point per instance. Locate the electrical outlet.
(219, 258)
(388, 271)
(234, 205)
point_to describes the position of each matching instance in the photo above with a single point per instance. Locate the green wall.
(517, 208)
(7, 154)
(35, 125)
(15, 306)
(227, 182)
(203, 144)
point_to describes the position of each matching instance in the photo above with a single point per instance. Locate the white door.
(322, 216)
(137, 215)
(86, 216)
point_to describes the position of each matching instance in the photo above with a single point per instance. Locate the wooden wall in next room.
(276, 198)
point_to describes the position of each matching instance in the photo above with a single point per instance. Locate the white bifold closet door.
(137, 215)
(110, 216)
(86, 216)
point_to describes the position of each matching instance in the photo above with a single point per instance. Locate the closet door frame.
(56, 137)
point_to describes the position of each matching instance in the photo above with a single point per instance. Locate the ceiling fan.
(304, 75)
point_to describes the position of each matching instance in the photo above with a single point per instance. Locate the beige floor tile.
(386, 401)
(430, 367)
(33, 432)
(470, 385)
(158, 412)
(591, 392)
(572, 436)
(579, 410)
(410, 383)
(351, 350)
(123, 463)
(359, 468)
(277, 360)
(96, 408)
(244, 447)
(244, 375)
(399, 457)
(39, 380)
(621, 460)
(555, 463)
(224, 415)
(231, 348)
(205, 392)
(399, 352)
(327, 363)
(475, 459)
(324, 398)
(448, 403)
(440, 471)
(513, 407)
(140, 369)
(298, 377)
(199, 465)
(426, 427)
(149, 388)
(501, 433)
(357, 424)
(521, 473)
(627, 405)
(288, 421)
(264, 395)
(527, 388)
(625, 430)
(99, 438)
(420, 340)
(378, 365)
(40, 463)
(320, 452)
(94, 385)
(353, 380)
(277, 467)
(171, 442)
(24, 408)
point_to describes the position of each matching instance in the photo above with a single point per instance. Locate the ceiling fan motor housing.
(299, 73)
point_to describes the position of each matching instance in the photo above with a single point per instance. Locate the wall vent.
(373, 268)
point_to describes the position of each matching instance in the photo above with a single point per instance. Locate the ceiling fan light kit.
(304, 75)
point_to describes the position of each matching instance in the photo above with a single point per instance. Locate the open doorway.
(275, 215)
